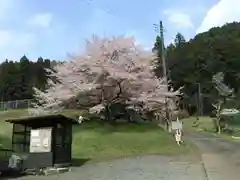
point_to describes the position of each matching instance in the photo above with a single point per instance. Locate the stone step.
(50, 171)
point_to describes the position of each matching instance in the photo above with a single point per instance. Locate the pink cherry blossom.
(109, 70)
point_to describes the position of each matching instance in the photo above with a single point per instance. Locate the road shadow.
(77, 162)
(11, 174)
(7, 173)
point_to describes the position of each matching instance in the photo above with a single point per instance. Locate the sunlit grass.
(102, 141)
(204, 124)
(96, 141)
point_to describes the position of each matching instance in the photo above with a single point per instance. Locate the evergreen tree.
(179, 40)
(158, 50)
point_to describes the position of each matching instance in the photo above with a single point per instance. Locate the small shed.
(43, 141)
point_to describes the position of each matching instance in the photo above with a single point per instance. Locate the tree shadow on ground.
(11, 174)
(78, 162)
(105, 127)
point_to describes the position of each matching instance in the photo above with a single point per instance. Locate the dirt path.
(221, 158)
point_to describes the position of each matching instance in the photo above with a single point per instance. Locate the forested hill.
(18, 77)
(190, 64)
(197, 60)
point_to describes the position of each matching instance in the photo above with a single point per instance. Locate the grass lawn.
(205, 125)
(98, 140)
(102, 141)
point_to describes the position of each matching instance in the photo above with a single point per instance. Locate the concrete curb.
(236, 137)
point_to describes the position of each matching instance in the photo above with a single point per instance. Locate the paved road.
(220, 161)
(221, 158)
(144, 168)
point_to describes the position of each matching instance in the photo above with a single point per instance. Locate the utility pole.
(159, 29)
(163, 53)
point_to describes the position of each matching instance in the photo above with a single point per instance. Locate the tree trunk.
(128, 115)
(108, 113)
(218, 125)
(169, 127)
(219, 129)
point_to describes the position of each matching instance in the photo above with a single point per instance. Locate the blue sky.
(54, 28)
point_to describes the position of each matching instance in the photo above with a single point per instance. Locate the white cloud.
(225, 11)
(179, 19)
(139, 39)
(134, 34)
(43, 20)
(25, 40)
(13, 39)
(6, 38)
(14, 44)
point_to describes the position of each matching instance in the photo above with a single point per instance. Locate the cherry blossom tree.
(225, 94)
(108, 71)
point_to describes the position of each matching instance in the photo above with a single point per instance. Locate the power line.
(108, 11)
(105, 9)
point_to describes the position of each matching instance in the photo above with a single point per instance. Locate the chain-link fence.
(18, 104)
